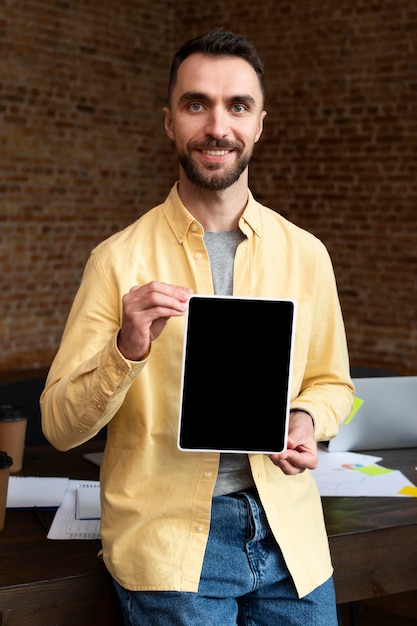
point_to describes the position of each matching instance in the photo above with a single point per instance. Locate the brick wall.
(84, 153)
(81, 92)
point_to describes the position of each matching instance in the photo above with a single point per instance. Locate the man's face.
(214, 118)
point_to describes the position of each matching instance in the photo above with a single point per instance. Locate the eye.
(239, 108)
(195, 107)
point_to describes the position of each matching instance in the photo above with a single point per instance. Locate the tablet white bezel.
(284, 421)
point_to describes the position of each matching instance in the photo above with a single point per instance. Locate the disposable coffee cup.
(13, 424)
(5, 465)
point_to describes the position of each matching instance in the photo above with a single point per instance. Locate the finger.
(174, 291)
(302, 460)
(287, 467)
(166, 300)
(295, 461)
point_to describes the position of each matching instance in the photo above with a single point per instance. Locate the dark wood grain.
(373, 542)
(52, 581)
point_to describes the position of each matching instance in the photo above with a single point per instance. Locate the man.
(192, 538)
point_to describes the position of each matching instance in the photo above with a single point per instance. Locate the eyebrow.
(188, 96)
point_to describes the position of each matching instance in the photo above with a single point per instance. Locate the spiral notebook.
(39, 491)
(88, 501)
(236, 373)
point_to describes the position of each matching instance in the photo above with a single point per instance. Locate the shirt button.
(198, 257)
(194, 227)
(208, 474)
(199, 529)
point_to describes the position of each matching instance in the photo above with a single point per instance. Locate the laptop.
(386, 419)
(236, 371)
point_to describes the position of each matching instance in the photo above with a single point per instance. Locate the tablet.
(236, 370)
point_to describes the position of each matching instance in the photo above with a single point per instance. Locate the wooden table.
(45, 582)
(373, 542)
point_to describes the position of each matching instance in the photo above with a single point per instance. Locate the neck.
(217, 211)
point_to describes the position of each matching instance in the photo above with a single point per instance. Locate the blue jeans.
(244, 580)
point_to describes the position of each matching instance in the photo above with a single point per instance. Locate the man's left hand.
(301, 452)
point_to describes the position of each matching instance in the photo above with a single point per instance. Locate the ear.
(168, 122)
(260, 125)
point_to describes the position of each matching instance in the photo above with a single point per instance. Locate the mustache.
(222, 144)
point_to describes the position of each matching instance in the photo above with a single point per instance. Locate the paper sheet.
(65, 524)
(355, 474)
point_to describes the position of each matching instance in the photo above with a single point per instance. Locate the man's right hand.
(146, 310)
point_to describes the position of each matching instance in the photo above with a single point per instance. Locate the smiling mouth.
(213, 152)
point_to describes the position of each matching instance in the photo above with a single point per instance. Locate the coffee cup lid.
(11, 413)
(5, 460)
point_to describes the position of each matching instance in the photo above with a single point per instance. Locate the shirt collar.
(181, 220)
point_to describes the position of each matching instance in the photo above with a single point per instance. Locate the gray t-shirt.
(234, 471)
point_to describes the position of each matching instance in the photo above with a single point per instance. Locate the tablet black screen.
(236, 374)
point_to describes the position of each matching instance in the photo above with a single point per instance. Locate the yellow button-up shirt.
(156, 499)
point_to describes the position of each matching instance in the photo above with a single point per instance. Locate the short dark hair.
(217, 43)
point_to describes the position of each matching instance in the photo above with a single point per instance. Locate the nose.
(216, 125)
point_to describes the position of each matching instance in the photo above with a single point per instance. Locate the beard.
(209, 177)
